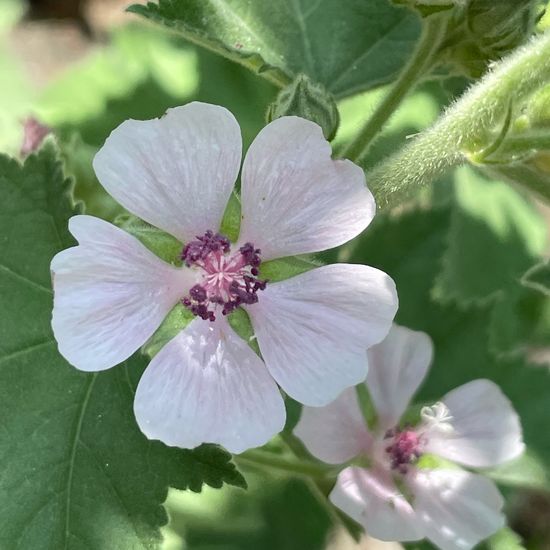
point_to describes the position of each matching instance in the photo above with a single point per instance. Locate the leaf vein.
(72, 458)
(353, 64)
(30, 282)
(25, 350)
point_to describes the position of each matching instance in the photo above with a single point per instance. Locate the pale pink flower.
(207, 384)
(393, 496)
(34, 133)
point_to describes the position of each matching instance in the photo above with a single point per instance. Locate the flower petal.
(397, 367)
(457, 509)
(371, 498)
(486, 430)
(314, 329)
(175, 172)
(110, 294)
(336, 432)
(295, 198)
(208, 386)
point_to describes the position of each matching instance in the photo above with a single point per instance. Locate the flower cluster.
(314, 330)
(405, 494)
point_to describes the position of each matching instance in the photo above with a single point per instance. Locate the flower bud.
(307, 99)
(34, 133)
(490, 30)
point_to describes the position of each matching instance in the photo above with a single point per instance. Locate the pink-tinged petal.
(175, 172)
(295, 198)
(336, 432)
(457, 509)
(314, 329)
(484, 429)
(208, 386)
(110, 294)
(371, 498)
(397, 367)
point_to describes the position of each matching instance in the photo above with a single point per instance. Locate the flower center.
(227, 279)
(404, 449)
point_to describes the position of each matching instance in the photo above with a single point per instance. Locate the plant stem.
(255, 457)
(465, 126)
(421, 61)
(528, 141)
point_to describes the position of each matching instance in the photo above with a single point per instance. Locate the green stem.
(530, 141)
(421, 61)
(256, 457)
(465, 126)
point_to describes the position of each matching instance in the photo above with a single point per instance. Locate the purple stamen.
(198, 293)
(228, 280)
(196, 251)
(405, 449)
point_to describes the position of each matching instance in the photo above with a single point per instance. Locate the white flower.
(396, 499)
(207, 384)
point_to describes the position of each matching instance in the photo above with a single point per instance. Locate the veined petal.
(371, 498)
(336, 432)
(110, 294)
(314, 329)
(456, 509)
(175, 172)
(295, 198)
(208, 386)
(484, 428)
(397, 367)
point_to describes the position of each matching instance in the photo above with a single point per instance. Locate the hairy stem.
(421, 61)
(465, 126)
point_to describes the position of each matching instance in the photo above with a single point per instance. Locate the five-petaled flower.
(207, 384)
(395, 496)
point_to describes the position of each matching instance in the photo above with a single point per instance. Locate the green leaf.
(231, 221)
(274, 514)
(162, 244)
(76, 470)
(532, 174)
(178, 318)
(520, 322)
(505, 539)
(538, 278)
(525, 471)
(346, 47)
(495, 235)
(284, 268)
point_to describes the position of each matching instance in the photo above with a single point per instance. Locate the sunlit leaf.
(348, 47)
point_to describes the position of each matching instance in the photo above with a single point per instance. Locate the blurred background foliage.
(457, 251)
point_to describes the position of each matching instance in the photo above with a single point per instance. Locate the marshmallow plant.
(395, 483)
(207, 384)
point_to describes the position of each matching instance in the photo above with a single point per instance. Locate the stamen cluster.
(227, 280)
(405, 448)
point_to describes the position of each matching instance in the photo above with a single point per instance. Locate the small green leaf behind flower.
(162, 244)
